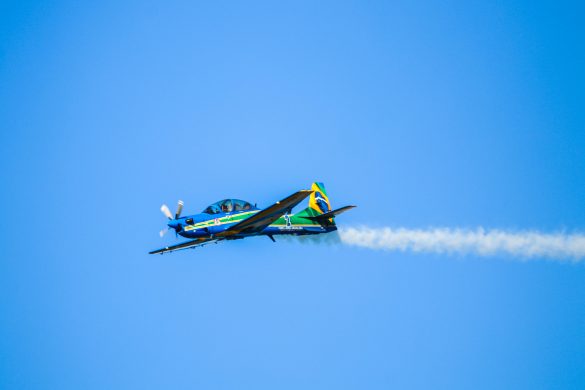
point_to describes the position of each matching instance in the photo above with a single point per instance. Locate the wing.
(261, 219)
(187, 244)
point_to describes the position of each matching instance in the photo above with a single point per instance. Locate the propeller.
(167, 212)
(179, 209)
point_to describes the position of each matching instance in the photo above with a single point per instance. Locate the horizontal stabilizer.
(330, 214)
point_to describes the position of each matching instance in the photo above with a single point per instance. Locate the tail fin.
(319, 201)
(319, 209)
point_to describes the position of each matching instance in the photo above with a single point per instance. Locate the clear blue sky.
(421, 113)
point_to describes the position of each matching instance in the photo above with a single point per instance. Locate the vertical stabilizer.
(319, 209)
(318, 204)
(319, 201)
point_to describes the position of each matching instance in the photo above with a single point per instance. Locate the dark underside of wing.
(186, 245)
(260, 220)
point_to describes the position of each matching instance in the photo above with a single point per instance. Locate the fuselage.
(205, 225)
(231, 219)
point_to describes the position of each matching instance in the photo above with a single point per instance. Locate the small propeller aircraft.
(232, 219)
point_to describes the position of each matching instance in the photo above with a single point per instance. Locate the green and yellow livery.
(231, 219)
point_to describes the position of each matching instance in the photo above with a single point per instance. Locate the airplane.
(232, 219)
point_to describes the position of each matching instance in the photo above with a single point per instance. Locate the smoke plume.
(482, 242)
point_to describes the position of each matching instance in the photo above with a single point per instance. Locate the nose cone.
(174, 224)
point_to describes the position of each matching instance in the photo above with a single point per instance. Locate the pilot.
(226, 207)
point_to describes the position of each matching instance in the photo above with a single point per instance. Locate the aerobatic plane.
(232, 219)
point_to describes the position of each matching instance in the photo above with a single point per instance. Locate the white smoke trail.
(527, 244)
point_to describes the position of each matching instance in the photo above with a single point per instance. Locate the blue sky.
(421, 113)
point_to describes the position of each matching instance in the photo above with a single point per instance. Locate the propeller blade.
(165, 210)
(179, 209)
(163, 232)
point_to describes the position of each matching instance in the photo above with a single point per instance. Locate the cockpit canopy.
(228, 206)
